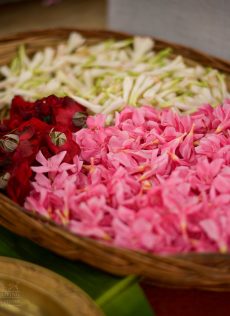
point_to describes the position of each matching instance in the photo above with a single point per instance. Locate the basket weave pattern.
(204, 271)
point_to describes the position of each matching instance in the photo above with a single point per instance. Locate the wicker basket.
(204, 271)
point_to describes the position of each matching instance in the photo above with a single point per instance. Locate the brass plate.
(30, 290)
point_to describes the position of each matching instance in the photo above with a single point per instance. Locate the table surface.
(65, 13)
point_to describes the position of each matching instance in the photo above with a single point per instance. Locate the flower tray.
(203, 271)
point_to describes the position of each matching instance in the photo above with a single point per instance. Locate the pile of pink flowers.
(154, 181)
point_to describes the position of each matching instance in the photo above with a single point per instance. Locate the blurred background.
(202, 24)
(18, 15)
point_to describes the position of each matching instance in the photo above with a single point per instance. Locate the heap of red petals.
(155, 181)
(45, 125)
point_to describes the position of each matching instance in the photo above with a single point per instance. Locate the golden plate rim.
(50, 284)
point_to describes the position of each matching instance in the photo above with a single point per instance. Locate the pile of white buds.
(106, 76)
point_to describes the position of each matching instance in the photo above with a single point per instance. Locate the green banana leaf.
(116, 296)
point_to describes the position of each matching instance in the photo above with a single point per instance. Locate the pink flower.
(222, 114)
(204, 119)
(52, 164)
(82, 229)
(209, 145)
(35, 203)
(96, 121)
(208, 171)
(187, 149)
(91, 144)
(222, 181)
(155, 181)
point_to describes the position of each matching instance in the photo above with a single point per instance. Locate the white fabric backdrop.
(202, 24)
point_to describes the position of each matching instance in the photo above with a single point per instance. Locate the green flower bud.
(9, 142)
(57, 138)
(4, 178)
(79, 119)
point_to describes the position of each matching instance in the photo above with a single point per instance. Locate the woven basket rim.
(41, 218)
(110, 32)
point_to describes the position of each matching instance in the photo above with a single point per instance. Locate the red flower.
(18, 186)
(52, 110)
(20, 111)
(46, 125)
(31, 135)
(59, 111)
(44, 108)
(63, 115)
